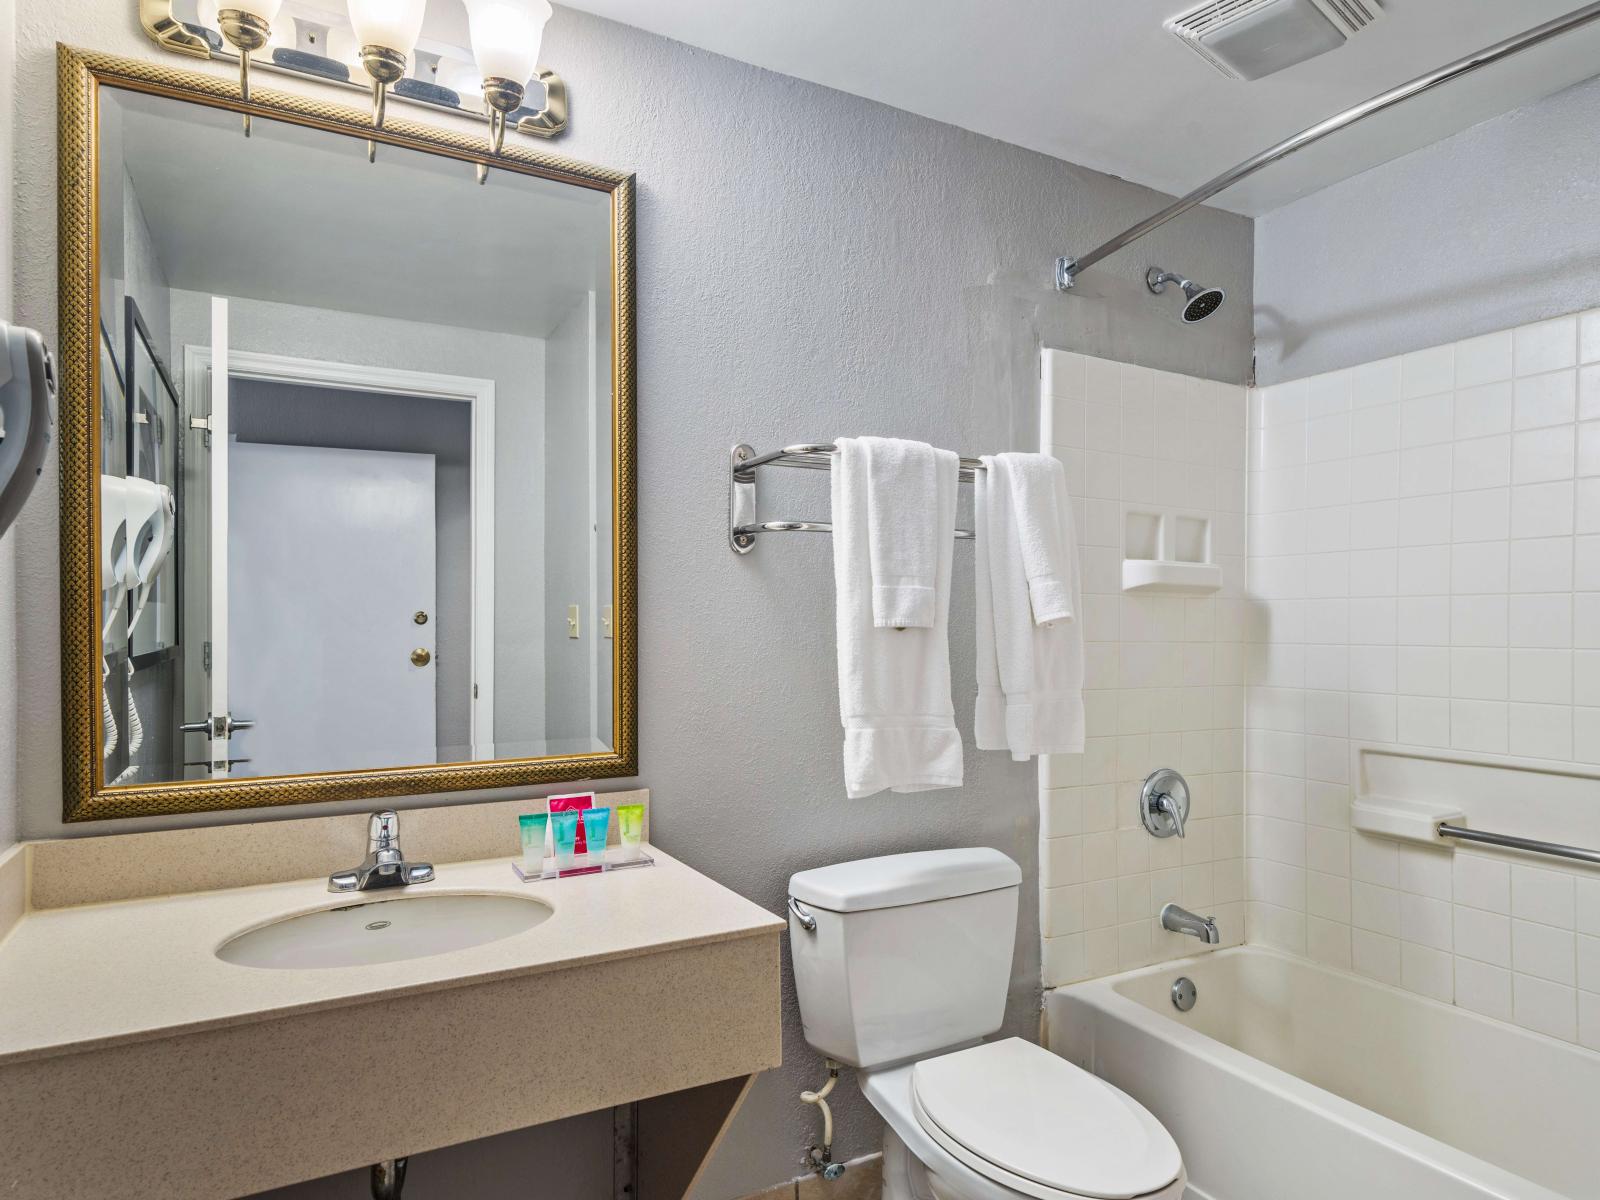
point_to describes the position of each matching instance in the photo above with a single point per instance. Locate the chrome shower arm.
(1068, 267)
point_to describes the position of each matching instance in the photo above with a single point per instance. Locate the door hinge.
(205, 658)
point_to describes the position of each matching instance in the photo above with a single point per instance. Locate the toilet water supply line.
(820, 1158)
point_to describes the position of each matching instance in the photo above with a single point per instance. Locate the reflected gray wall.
(810, 265)
(569, 536)
(295, 415)
(1491, 228)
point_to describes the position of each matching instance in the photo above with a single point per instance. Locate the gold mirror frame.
(80, 74)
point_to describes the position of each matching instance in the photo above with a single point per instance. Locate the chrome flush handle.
(803, 915)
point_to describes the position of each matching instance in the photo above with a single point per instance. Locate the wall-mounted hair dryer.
(27, 415)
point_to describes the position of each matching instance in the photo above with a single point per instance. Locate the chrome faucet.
(1181, 920)
(385, 865)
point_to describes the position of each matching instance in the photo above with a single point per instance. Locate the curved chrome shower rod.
(1069, 267)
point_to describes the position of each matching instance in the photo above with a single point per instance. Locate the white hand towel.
(1048, 556)
(894, 684)
(901, 535)
(989, 715)
(1030, 672)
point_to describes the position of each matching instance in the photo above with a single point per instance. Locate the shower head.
(1198, 302)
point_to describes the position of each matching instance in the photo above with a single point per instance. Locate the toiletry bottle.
(596, 822)
(565, 826)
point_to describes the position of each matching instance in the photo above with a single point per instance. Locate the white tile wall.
(1164, 675)
(1424, 569)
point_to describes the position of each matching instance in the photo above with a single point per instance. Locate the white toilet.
(902, 965)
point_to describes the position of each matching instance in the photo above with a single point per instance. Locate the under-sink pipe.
(821, 1157)
(389, 1178)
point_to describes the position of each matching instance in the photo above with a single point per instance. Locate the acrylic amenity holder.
(607, 864)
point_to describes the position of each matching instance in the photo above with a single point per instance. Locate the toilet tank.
(910, 954)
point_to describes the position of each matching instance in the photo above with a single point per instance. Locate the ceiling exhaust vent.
(1248, 39)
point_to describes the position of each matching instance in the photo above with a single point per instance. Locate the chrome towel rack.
(1511, 842)
(743, 527)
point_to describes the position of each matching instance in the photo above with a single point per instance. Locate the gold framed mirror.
(347, 453)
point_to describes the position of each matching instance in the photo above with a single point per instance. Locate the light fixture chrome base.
(246, 32)
(1066, 273)
(503, 96)
(385, 66)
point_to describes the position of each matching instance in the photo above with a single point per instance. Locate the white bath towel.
(902, 540)
(1029, 643)
(894, 684)
(1039, 507)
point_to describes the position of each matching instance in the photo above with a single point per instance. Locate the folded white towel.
(1029, 642)
(901, 537)
(894, 684)
(1049, 557)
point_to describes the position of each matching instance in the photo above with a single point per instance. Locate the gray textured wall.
(8, 541)
(809, 265)
(568, 540)
(1492, 228)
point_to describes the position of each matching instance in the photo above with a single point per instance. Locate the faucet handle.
(1164, 803)
(383, 831)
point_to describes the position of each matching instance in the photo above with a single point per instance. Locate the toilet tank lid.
(897, 879)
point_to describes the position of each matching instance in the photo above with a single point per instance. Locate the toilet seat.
(1035, 1123)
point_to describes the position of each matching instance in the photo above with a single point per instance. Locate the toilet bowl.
(901, 965)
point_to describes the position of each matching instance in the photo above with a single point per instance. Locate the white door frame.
(479, 394)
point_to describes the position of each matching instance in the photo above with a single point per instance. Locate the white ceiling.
(1101, 83)
(299, 216)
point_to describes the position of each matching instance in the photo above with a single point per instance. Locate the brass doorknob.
(420, 657)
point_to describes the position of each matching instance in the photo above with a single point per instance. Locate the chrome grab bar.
(1511, 842)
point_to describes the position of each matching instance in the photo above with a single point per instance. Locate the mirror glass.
(356, 453)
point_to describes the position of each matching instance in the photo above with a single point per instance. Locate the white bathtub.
(1291, 1081)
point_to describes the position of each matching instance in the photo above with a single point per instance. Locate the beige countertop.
(98, 975)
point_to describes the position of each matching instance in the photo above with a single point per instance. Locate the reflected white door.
(220, 751)
(331, 555)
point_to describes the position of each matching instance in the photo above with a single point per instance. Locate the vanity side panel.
(227, 1112)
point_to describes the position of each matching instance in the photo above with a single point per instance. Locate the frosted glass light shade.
(264, 9)
(393, 24)
(342, 48)
(505, 36)
(206, 13)
(462, 78)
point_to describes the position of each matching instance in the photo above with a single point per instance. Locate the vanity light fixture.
(247, 24)
(387, 32)
(505, 43)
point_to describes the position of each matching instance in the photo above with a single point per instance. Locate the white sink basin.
(384, 930)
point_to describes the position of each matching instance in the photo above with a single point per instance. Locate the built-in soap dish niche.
(1168, 551)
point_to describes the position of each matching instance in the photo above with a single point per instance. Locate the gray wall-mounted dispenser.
(27, 415)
